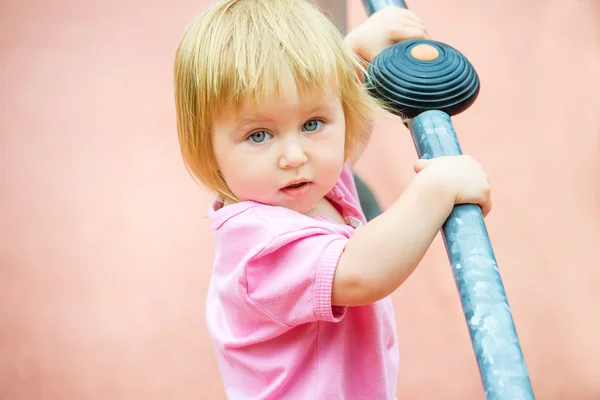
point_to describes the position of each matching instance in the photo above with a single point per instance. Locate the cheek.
(229, 162)
(331, 153)
(245, 173)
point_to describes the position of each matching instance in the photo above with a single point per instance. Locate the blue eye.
(259, 136)
(312, 125)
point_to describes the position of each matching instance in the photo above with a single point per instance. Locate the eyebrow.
(322, 106)
(249, 120)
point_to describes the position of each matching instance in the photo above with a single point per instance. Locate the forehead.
(289, 96)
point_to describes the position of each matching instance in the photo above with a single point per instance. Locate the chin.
(301, 207)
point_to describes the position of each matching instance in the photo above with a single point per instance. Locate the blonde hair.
(236, 50)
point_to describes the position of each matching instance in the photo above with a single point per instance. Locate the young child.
(271, 115)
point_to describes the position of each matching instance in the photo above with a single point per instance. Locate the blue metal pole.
(425, 93)
(489, 319)
(374, 5)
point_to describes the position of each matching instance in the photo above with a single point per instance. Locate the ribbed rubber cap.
(409, 86)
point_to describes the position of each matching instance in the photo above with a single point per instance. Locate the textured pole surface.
(478, 280)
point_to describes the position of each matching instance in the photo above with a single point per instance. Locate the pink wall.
(105, 250)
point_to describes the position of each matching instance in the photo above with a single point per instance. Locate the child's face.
(265, 147)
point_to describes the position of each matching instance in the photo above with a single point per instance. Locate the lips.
(296, 189)
(296, 184)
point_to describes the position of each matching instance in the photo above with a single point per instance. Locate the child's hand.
(462, 176)
(387, 26)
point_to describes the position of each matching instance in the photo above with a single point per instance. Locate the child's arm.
(384, 28)
(380, 256)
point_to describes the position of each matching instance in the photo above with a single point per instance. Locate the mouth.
(296, 185)
(296, 189)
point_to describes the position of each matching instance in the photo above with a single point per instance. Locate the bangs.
(266, 42)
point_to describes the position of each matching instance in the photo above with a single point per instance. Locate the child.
(271, 115)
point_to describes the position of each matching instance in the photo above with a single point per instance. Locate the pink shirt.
(269, 310)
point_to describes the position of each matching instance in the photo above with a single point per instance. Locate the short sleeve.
(291, 279)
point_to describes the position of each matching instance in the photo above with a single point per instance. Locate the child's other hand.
(462, 176)
(387, 26)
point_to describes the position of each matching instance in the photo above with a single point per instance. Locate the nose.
(292, 155)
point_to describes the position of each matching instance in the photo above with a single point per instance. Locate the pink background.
(105, 249)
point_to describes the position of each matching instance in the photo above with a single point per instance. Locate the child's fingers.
(396, 12)
(398, 20)
(421, 164)
(406, 33)
(411, 15)
(408, 18)
(486, 207)
(412, 23)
